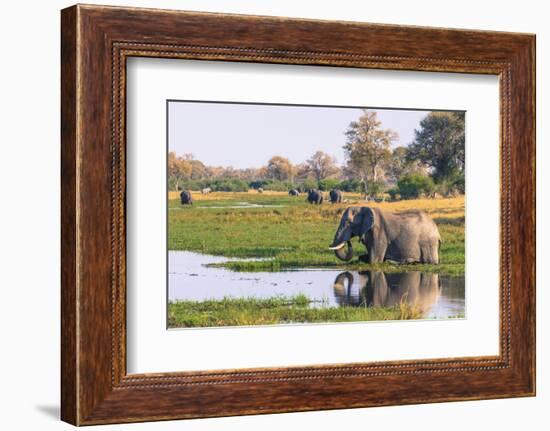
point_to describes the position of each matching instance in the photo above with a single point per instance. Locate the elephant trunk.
(341, 238)
(341, 254)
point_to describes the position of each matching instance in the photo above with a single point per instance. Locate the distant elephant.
(206, 190)
(186, 197)
(260, 190)
(401, 237)
(335, 196)
(294, 192)
(420, 290)
(315, 197)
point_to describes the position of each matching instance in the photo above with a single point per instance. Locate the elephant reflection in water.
(378, 289)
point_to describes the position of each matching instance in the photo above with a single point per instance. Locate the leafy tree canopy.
(440, 144)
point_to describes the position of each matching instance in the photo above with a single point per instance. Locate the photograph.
(300, 214)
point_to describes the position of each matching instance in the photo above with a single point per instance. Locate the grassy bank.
(276, 310)
(293, 233)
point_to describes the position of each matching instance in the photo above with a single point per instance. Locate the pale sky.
(243, 136)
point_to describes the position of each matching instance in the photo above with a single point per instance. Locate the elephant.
(294, 192)
(399, 237)
(186, 197)
(206, 190)
(420, 290)
(335, 196)
(315, 197)
(260, 190)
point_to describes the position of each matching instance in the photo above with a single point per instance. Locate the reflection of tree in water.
(378, 289)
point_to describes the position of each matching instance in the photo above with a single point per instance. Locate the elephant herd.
(313, 196)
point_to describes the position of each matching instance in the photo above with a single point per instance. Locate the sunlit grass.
(275, 310)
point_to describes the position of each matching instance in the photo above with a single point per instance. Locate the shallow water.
(438, 296)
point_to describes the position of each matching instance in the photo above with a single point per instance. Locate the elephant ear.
(368, 220)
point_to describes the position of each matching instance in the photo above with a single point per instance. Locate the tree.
(398, 164)
(214, 171)
(440, 144)
(321, 165)
(178, 168)
(401, 165)
(302, 171)
(280, 168)
(411, 186)
(251, 174)
(198, 170)
(368, 148)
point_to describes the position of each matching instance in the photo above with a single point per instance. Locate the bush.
(308, 184)
(258, 184)
(459, 183)
(272, 184)
(413, 185)
(394, 193)
(279, 186)
(352, 186)
(374, 188)
(187, 184)
(228, 185)
(329, 184)
(451, 186)
(171, 183)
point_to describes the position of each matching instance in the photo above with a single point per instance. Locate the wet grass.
(294, 233)
(275, 310)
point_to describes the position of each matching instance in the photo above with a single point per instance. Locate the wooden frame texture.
(95, 43)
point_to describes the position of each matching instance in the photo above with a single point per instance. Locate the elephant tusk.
(338, 247)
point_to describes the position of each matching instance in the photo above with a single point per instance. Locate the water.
(437, 296)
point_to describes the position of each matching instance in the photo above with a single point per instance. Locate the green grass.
(295, 234)
(276, 310)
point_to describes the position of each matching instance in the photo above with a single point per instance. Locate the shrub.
(228, 185)
(374, 188)
(451, 186)
(279, 186)
(272, 184)
(413, 185)
(459, 183)
(394, 193)
(257, 184)
(187, 184)
(308, 184)
(352, 186)
(329, 184)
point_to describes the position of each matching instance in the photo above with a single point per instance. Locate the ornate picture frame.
(96, 41)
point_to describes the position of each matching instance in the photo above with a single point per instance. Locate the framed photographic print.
(268, 215)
